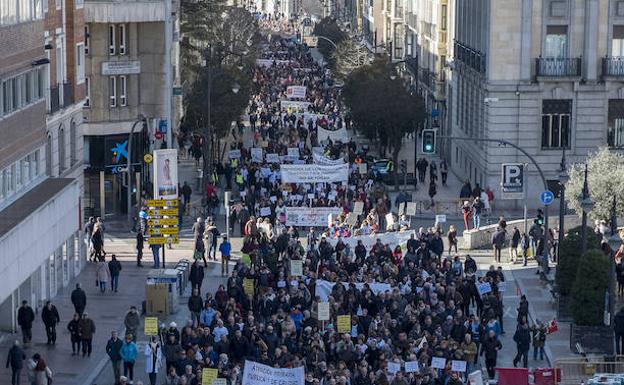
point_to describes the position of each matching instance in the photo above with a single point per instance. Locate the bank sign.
(512, 181)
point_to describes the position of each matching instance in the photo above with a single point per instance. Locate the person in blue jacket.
(129, 354)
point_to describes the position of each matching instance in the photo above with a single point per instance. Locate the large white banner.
(269, 62)
(324, 288)
(310, 216)
(393, 239)
(334, 135)
(166, 174)
(296, 92)
(258, 374)
(297, 105)
(325, 161)
(314, 173)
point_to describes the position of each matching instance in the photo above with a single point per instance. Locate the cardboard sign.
(363, 169)
(234, 154)
(358, 208)
(458, 366)
(296, 268)
(438, 362)
(394, 367)
(402, 208)
(209, 375)
(344, 324)
(484, 288)
(440, 218)
(323, 311)
(248, 286)
(389, 219)
(410, 208)
(151, 326)
(475, 378)
(272, 158)
(293, 152)
(296, 92)
(256, 155)
(411, 366)
(265, 211)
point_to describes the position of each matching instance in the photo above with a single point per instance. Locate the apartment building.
(125, 85)
(547, 75)
(40, 244)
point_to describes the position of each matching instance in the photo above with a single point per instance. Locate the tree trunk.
(395, 160)
(207, 160)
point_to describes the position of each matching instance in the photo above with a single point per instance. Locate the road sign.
(162, 126)
(162, 203)
(162, 212)
(547, 197)
(512, 181)
(163, 231)
(158, 135)
(162, 222)
(162, 240)
(148, 158)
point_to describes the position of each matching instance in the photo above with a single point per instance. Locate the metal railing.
(469, 56)
(613, 66)
(573, 371)
(558, 67)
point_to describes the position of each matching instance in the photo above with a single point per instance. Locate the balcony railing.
(558, 67)
(55, 103)
(471, 57)
(613, 66)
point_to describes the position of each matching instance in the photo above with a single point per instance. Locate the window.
(72, 143)
(122, 39)
(29, 87)
(123, 100)
(45, 6)
(111, 40)
(80, 63)
(112, 89)
(617, 42)
(443, 18)
(58, 4)
(556, 123)
(87, 102)
(87, 39)
(48, 155)
(7, 97)
(61, 148)
(559, 9)
(556, 45)
(615, 124)
(8, 12)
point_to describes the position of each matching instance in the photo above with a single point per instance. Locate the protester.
(113, 349)
(79, 299)
(74, 333)
(153, 356)
(25, 319)
(132, 322)
(114, 267)
(129, 354)
(86, 328)
(15, 360)
(50, 318)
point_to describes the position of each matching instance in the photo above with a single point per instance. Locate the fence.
(575, 370)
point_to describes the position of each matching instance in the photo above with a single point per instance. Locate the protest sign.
(344, 324)
(410, 208)
(259, 374)
(340, 135)
(458, 366)
(411, 366)
(323, 311)
(394, 367)
(358, 208)
(402, 208)
(310, 216)
(265, 211)
(248, 286)
(293, 104)
(293, 152)
(438, 362)
(325, 161)
(234, 154)
(484, 288)
(296, 267)
(296, 92)
(256, 155)
(272, 158)
(440, 218)
(151, 326)
(209, 375)
(363, 168)
(475, 378)
(314, 173)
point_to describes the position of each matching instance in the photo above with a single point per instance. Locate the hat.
(173, 325)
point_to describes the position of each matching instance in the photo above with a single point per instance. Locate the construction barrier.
(513, 376)
(573, 371)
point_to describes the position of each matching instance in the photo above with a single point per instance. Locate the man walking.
(87, 330)
(113, 349)
(618, 320)
(186, 195)
(50, 317)
(79, 299)
(522, 337)
(491, 346)
(132, 322)
(195, 305)
(25, 319)
(225, 248)
(139, 247)
(15, 359)
(498, 241)
(477, 208)
(196, 276)
(114, 266)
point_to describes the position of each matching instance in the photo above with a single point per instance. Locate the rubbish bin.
(513, 376)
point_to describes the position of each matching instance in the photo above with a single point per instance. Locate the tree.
(380, 106)
(347, 57)
(328, 28)
(590, 286)
(605, 179)
(570, 251)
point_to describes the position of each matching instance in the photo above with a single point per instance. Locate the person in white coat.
(153, 357)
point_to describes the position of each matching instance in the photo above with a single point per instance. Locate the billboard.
(165, 174)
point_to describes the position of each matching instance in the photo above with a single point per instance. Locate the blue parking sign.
(547, 197)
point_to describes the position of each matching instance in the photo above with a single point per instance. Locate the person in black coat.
(79, 299)
(25, 319)
(15, 359)
(114, 267)
(618, 321)
(74, 333)
(195, 305)
(490, 347)
(196, 276)
(50, 317)
(523, 343)
(139, 247)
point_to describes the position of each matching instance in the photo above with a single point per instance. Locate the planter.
(593, 339)
(564, 309)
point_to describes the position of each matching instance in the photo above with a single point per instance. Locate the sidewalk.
(107, 311)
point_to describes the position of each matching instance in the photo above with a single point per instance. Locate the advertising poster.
(166, 174)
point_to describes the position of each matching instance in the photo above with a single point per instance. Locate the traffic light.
(540, 217)
(429, 141)
(403, 166)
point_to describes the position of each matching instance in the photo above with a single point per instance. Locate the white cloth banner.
(334, 135)
(296, 92)
(325, 161)
(258, 374)
(269, 62)
(314, 173)
(324, 288)
(310, 216)
(286, 104)
(393, 239)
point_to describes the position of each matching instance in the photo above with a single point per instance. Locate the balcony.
(55, 96)
(470, 57)
(613, 66)
(558, 67)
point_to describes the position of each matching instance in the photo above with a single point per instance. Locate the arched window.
(48, 155)
(72, 142)
(61, 148)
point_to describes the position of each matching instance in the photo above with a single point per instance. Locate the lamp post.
(129, 168)
(614, 243)
(563, 178)
(586, 205)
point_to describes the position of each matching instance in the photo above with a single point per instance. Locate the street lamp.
(586, 205)
(563, 178)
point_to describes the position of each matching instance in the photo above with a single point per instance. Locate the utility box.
(168, 278)
(156, 299)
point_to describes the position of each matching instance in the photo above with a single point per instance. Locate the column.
(526, 59)
(590, 60)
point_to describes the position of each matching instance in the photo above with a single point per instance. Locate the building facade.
(40, 216)
(125, 86)
(547, 75)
